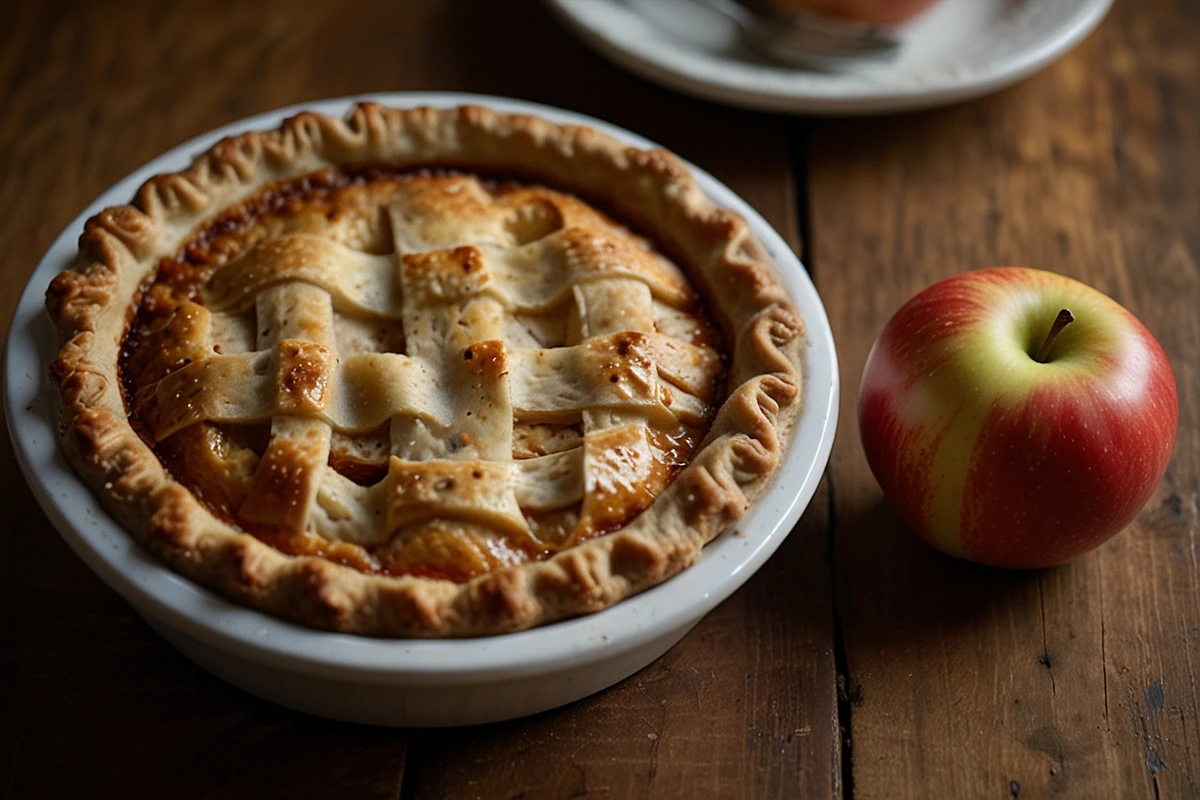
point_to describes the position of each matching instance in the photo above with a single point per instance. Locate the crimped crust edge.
(90, 305)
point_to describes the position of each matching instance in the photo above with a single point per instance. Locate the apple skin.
(875, 12)
(992, 456)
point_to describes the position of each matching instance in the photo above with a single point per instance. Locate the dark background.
(858, 662)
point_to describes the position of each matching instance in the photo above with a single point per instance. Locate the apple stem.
(1064, 318)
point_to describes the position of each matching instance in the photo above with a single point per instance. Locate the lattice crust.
(518, 307)
(515, 363)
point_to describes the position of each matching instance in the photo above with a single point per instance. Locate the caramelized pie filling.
(421, 372)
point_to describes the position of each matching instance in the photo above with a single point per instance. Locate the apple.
(1015, 417)
(875, 12)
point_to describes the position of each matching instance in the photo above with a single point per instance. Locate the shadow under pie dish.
(413, 373)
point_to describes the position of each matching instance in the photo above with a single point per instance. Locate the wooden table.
(858, 663)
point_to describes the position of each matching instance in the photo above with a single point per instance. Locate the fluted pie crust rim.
(91, 303)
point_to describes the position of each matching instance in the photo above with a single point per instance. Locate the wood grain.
(94, 703)
(1078, 681)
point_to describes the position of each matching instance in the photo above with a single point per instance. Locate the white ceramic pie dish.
(408, 682)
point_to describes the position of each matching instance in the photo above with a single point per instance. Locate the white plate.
(408, 682)
(956, 50)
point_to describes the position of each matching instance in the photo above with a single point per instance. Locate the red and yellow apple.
(1008, 431)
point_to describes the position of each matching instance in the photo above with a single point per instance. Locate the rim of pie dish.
(787, 355)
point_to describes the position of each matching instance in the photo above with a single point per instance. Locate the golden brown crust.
(90, 304)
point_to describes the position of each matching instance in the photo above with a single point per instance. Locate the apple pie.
(425, 372)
